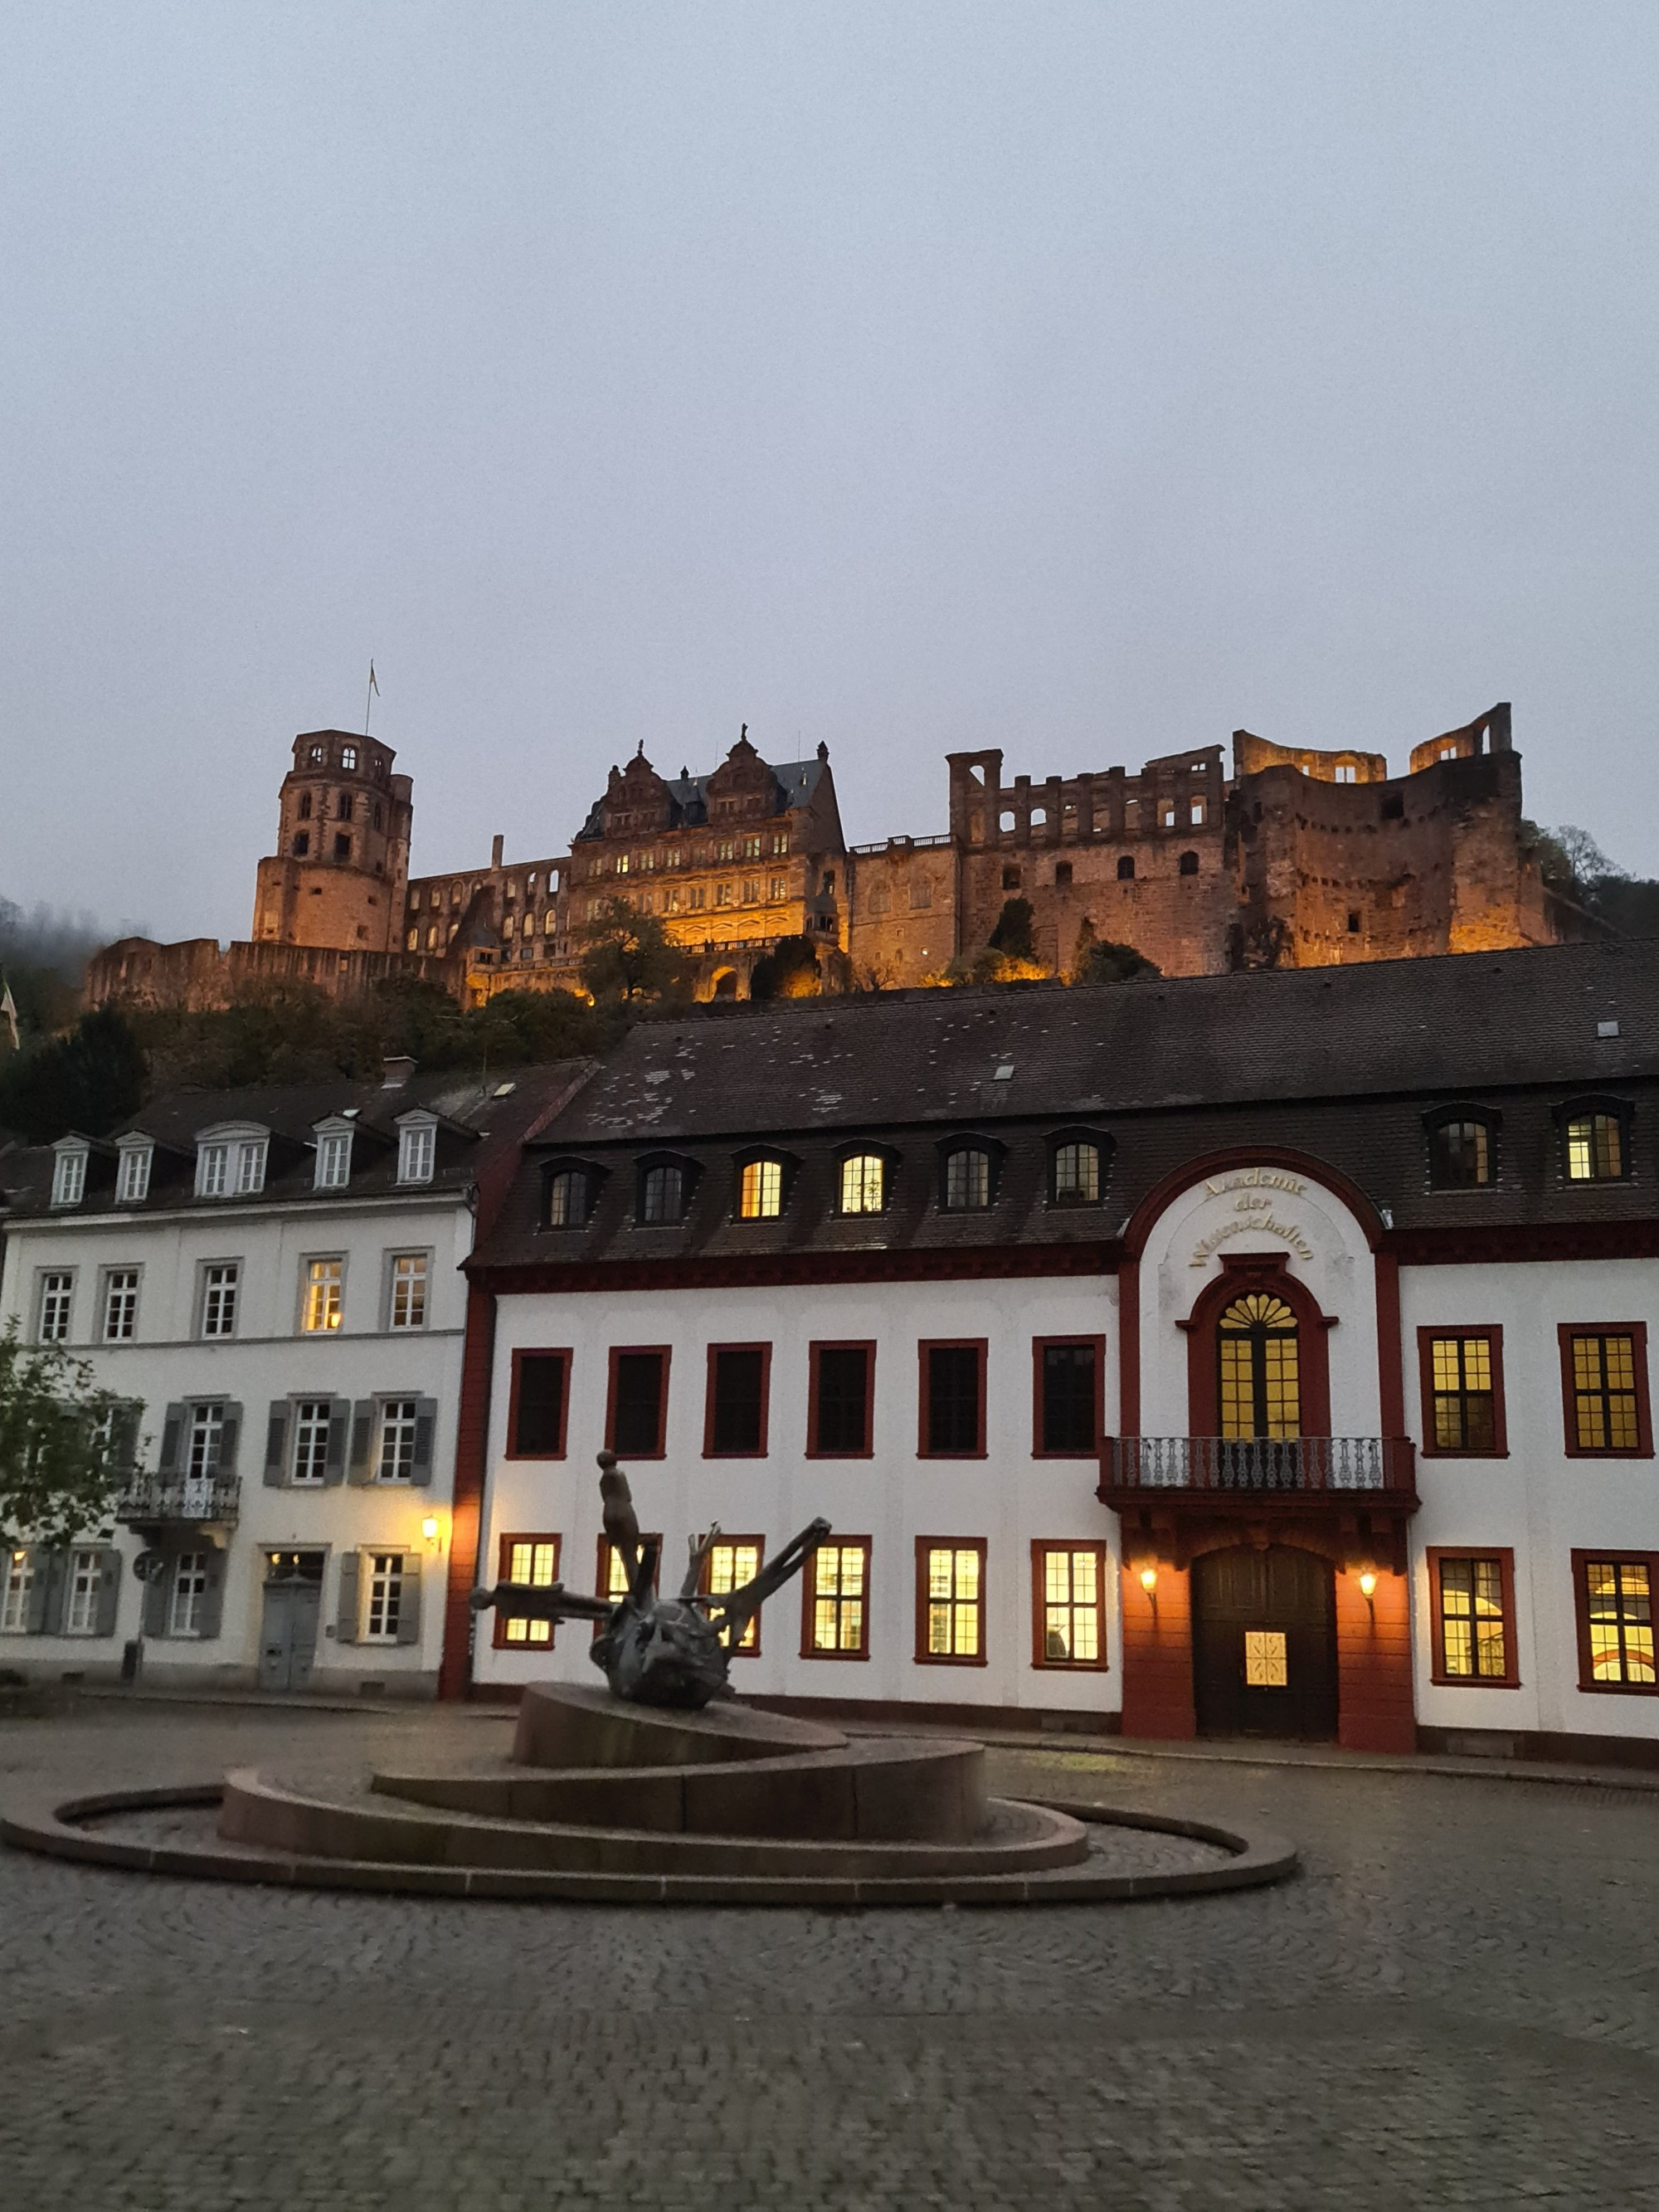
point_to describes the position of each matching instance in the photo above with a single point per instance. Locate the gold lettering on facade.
(1253, 1213)
(1258, 1179)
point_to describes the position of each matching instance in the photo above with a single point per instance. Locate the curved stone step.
(568, 1724)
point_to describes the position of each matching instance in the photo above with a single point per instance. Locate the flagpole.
(368, 697)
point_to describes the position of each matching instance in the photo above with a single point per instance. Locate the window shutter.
(426, 1423)
(172, 1429)
(345, 1624)
(52, 1579)
(213, 1597)
(109, 1590)
(157, 1590)
(275, 1439)
(229, 1436)
(34, 1620)
(339, 1423)
(409, 1603)
(123, 1436)
(362, 1431)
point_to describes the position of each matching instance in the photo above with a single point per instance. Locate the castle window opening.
(751, 848)
(675, 857)
(752, 891)
(1011, 879)
(1188, 864)
(697, 897)
(1006, 821)
(342, 806)
(624, 863)
(726, 849)
(760, 1191)
(921, 893)
(671, 902)
(547, 922)
(1353, 925)
(781, 841)
(342, 845)
(1394, 807)
(880, 898)
(1346, 772)
(1039, 817)
(828, 887)
(348, 756)
(778, 888)
(1062, 871)
(1166, 817)
(304, 806)
(723, 894)
(301, 844)
(412, 942)
(318, 756)
(379, 817)
(1126, 868)
(1195, 813)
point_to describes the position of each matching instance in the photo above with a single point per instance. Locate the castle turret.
(342, 859)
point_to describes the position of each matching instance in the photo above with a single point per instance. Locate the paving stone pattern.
(1454, 2005)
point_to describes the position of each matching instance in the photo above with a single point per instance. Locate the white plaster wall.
(1009, 1497)
(1537, 1501)
(267, 1360)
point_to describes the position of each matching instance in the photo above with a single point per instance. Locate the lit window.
(662, 1194)
(1257, 1348)
(395, 1460)
(1473, 1634)
(1618, 1599)
(312, 1420)
(1071, 1582)
(120, 1305)
(727, 1567)
(384, 1604)
(409, 1272)
(954, 1598)
(219, 1288)
(696, 897)
(212, 1170)
(189, 1596)
(321, 1314)
(20, 1588)
(533, 1561)
(722, 894)
(863, 1183)
(567, 1198)
(333, 1160)
(417, 1145)
(56, 1295)
(1465, 1402)
(967, 1181)
(86, 1577)
(1459, 1155)
(778, 888)
(1596, 1148)
(68, 1178)
(133, 1182)
(760, 1191)
(837, 1627)
(1605, 1410)
(1076, 1174)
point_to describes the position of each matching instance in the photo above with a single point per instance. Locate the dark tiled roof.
(688, 796)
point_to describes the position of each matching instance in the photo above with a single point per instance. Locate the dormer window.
(968, 1179)
(231, 1163)
(569, 1197)
(333, 1159)
(69, 1175)
(417, 1149)
(662, 1193)
(250, 1166)
(1077, 1170)
(133, 1178)
(1595, 1141)
(760, 1190)
(863, 1183)
(212, 1170)
(1463, 1150)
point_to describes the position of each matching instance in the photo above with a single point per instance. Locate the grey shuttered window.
(409, 1602)
(213, 1594)
(362, 1436)
(339, 1428)
(345, 1622)
(172, 1430)
(275, 1443)
(426, 1426)
(229, 1438)
(51, 1576)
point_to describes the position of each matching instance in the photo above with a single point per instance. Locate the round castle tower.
(342, 860)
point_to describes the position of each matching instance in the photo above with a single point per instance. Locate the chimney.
(399, 1067)
(495, 852)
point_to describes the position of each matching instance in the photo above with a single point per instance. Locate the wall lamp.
(429, 1530)
(1148, 1581)
(1368, 1583)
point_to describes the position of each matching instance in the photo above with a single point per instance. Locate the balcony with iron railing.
(1171, 1471)
(158, 1501)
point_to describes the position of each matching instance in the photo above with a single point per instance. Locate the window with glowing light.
(1614, 1599)
(1595, 1148)
(863, 1183)
(1075, 1178)
(1068, 1600)
(836, 1621)
(727, 1566)
(534, 1560)
(760, 1190)
(1462, 1392)
(1258, 1347)
(1471, 1595)
(951, 1601)
(321, 1304)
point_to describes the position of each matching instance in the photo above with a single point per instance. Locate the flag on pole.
(373, 685)
(9, 1014)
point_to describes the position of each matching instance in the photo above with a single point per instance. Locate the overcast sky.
(1088, 381)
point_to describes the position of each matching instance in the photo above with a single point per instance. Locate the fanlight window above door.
(1257, 1348)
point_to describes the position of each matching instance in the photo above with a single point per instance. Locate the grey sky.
(1085, 379)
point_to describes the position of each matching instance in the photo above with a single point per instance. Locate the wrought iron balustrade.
(147, 1500)
(1143, 1466)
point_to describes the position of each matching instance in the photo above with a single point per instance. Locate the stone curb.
(57, 1831)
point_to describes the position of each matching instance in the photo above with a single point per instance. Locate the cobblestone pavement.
(1454, 2005)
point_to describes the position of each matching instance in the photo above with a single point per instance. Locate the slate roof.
(1340, 1063)
(688, 796)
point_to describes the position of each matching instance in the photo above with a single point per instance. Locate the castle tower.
(338, 876)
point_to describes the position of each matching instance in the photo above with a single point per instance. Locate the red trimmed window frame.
(619, 1352)
(1638, 1333)
(1493, 1334)
(521, 1352)
(504, 1573)
(1041, 1547)
(714, 1352)
(978, 1345)
(739, 1650)
(924, 1657)
(808, 1649)
(866, 1345)
(1504, 1555)
(1241, 1274)
(1616, 1556)
(1039, 1346)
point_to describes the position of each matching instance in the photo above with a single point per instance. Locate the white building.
(1260, 1354)
(271, 1281)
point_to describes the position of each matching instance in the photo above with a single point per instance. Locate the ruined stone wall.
(902, 911)
(198, 976)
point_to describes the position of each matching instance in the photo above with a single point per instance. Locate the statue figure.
(656, 1650)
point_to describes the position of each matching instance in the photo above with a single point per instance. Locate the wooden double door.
(1264, 1643)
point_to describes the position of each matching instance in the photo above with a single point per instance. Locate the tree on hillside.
(1102, 960)
(65, 1447)
(92, 1080)
(1012, 935)
(628, 956)
(789, 971)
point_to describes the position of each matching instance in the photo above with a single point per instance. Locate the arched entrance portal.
(1264, 1643)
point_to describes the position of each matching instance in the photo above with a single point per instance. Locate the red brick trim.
(620, 1351)
(866, 1345)
(1582, 1556)
(714, 1351)
(537, 1352)
(503, 1573)
(466, 1508)
(1041, 1547)
(923, 1655)
(1638, 1333)
(925, 1345)
(808, 1651)
(1493, 1334)
(1039, 1346)
(1511, 1678)
(1240, 1274)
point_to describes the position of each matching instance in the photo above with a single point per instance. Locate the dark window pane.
(1068, 1397)
(566, 1199)
(738, 1382)
(968, 1181)
(953, 1398)
(1460, 1155)
(636, 1423)
(541, 1402)
(662, 1198)
(843, 1400)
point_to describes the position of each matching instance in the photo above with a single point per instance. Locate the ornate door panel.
(1264, 1643)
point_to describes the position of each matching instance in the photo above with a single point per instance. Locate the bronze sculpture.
(656, 1650)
